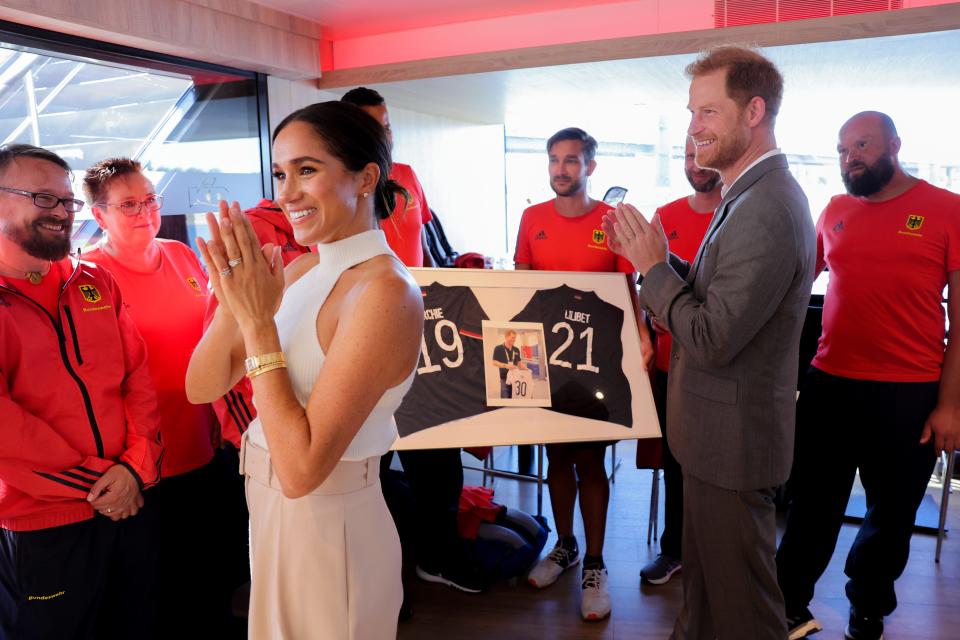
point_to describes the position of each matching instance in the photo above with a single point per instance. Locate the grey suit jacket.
(735, 314)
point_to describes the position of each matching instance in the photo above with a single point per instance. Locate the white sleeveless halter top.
(297, 326)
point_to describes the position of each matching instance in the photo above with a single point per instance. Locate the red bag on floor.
(476, 507)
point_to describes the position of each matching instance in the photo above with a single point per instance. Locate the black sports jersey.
(585, 360)
(449, 384)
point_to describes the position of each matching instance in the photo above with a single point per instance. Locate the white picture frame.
(503, 294)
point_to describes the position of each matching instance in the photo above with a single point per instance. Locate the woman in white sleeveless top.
(330, 357)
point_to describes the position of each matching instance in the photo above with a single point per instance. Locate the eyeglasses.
(48, 200)
(133, 207)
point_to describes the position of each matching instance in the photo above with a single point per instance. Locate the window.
(196, 129)
(640, 121)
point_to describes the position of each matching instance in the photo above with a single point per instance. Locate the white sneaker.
(549, 568)
(594, 599)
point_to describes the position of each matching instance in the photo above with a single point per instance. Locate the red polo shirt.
(404, 227)
(685, 229)
(548, 241)
(883, 316)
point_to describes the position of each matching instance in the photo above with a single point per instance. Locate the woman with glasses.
(165, 292)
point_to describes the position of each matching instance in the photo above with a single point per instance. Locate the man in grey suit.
(735, 314)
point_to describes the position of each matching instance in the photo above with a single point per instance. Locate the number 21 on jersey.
(586, 333)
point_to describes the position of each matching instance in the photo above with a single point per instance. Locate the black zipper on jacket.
(62, 340)
(73, 333)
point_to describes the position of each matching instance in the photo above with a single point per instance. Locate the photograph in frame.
(515, 364)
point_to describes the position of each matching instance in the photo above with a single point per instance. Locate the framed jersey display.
(526, 357)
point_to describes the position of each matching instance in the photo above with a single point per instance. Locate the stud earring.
(364, 194)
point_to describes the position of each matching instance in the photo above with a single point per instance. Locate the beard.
(31, 239)
(573, 187)
(702, 181)
(872, 179)
(729, 149)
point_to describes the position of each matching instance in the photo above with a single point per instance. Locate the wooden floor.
(928, 593)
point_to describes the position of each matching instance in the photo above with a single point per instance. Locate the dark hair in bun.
(355, 138)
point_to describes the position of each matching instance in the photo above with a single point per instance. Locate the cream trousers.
(325, 566)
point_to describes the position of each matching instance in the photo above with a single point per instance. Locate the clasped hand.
(247, 280)
(643, 243)
(116, 494)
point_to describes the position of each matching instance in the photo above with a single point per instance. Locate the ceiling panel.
(353, 18)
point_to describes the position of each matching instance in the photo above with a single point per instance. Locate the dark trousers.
(670, 541)
(843, 425)
(201, 550)
(435, 477)
(232, 521)
(230, 511)
(94, 579)
(729, 575)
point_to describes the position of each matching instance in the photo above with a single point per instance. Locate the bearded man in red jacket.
(79, 426)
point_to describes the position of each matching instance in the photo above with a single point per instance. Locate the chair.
(650, 456)
(653, 523)
(489, 472)
(614, 464)
(946, 475)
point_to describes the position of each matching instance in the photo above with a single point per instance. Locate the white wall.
(460, 164)
(461, 167)
(286, 96)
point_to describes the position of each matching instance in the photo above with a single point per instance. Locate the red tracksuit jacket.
(75, 399)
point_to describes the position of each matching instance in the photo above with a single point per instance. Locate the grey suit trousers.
(730, 587)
